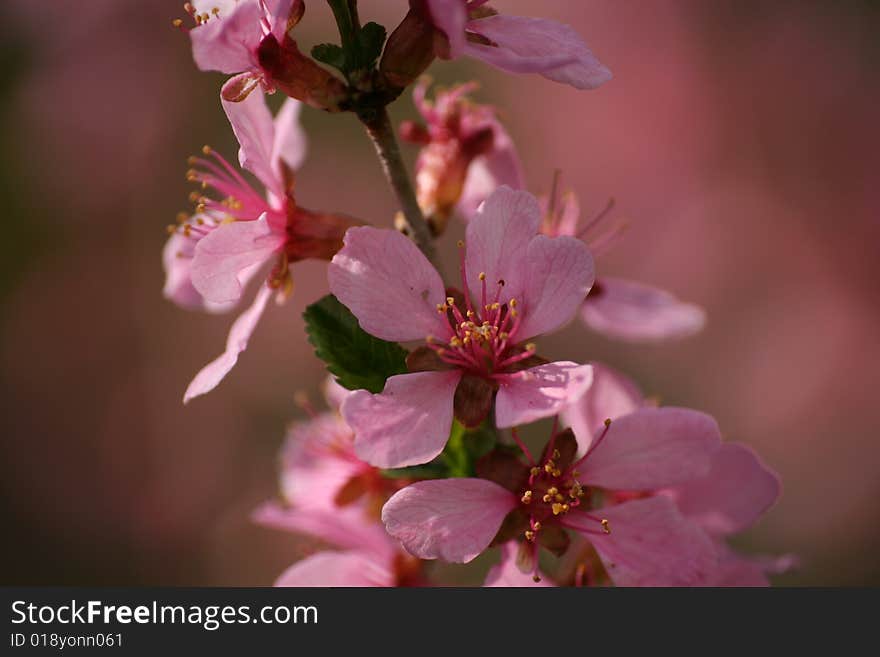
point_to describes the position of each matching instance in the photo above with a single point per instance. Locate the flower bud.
(410, 48)
(288, 70)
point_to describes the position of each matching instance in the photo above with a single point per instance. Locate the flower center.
(553, 490)
(482, 336)
(550, 493)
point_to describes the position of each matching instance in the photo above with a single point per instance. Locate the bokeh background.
(739, 139)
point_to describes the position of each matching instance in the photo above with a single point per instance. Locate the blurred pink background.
(738, 139)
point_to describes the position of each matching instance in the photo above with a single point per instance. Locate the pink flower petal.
(349, 528)
(732, 495)
(652, 448)
(252, 124)
(631, 311)
(356, 569)
(212, 373)
(540, 392)
(334, 394)
(486, 173)
(177, 261)
(612, 395)
(560, 273)
(279, 11)
(407, 423)
(389, 285)
(223, 257)
(650, 544)
(317, 462)
(227, 42)
(736, 571)
(537, 45)
(290, 143)
(449, 519)
(497, 241)
(450, 17)
(507, 574)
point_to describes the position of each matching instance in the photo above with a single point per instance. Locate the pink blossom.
(516, 285)
(732, 495)
(615, 307)
(362, 553)
(516, 44)
(466, 153)
(250, 40)
(327, 493)
(643, 540)
(227, 242)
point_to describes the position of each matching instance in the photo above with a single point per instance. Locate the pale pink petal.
(486, 173)
(537, 45)
(355, 569)
(507, 574)
(497, 240)
(650, 544)
(177, 261)
(279, 11)
(252, 124)
(348, 528)
(389, 285)
(318, 461)
(407, 423)
(652, 448)
(242, 328)
(334, 394)
(449, 519)
(227, 42)
(735, 570)
(223, 257)
(177, 258)
(559, 274)
(612, 395)
(540, 392)
(290, 144)
(732, 495)
(631, 311)
(450, 17)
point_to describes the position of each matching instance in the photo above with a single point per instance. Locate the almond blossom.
(516, 44)
(250, 40)
(616, 307)
(642, 541)
(516, 285)
(735, 492)
(228, 241)
(466, 154)
(328, 494)
(729, 498)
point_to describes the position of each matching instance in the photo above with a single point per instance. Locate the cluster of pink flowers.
(430, 463)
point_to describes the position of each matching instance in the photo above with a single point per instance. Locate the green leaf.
(356, 358)
(427, 471)
(455, 454)
(330, 54)
(371, 39)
